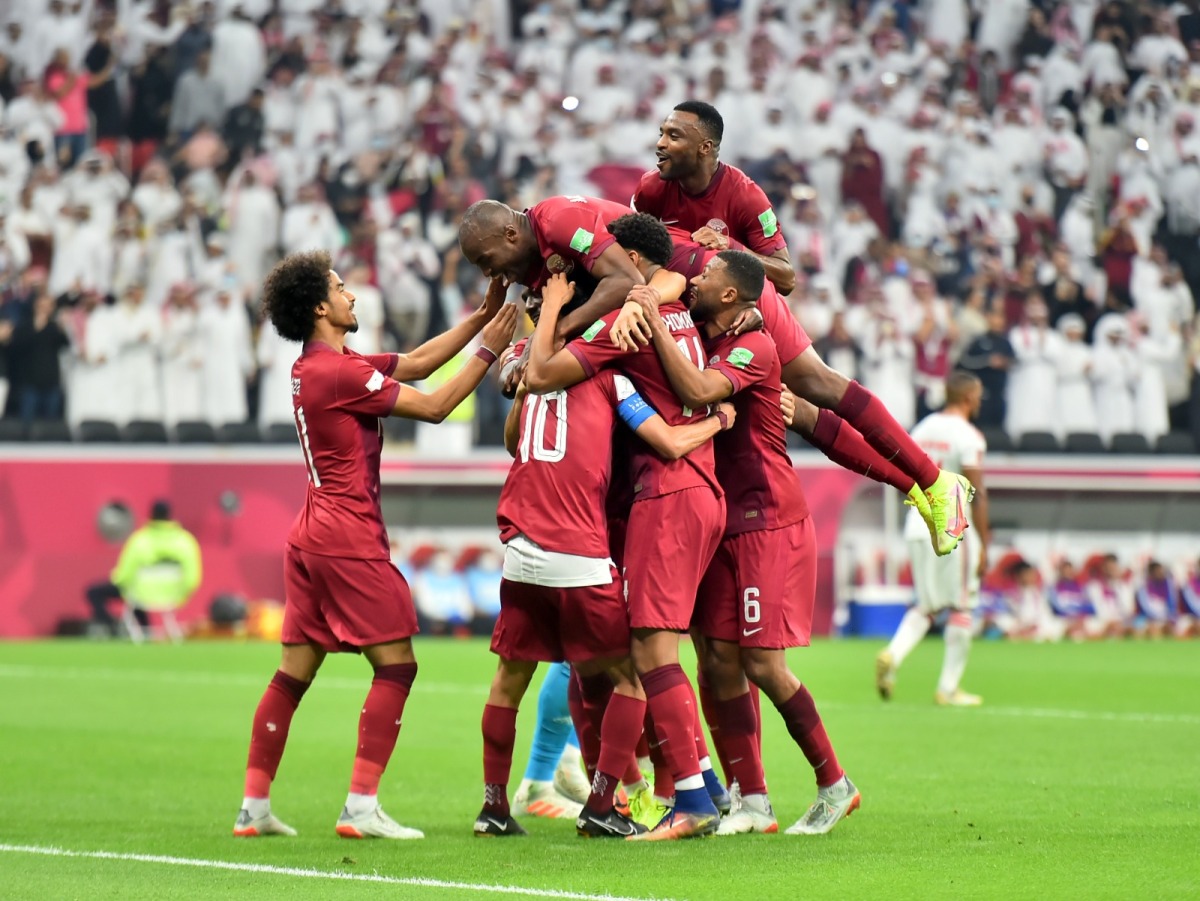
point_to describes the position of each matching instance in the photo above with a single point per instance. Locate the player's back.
(571, 232)
(762, 490)
(952, 443)
(732, 205)
(556, 490)
(337, 399)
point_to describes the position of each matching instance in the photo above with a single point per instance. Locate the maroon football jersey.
(652, 475)
(732, 205)
(762, 490)
(789, 336)
(571, 232)
(337, 399)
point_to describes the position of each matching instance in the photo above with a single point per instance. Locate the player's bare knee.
(511, 682)
(624, 679)
(652, 648)
(767, 668)
(301, 661)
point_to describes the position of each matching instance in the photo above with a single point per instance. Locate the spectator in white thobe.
(309, 224)
(1076, 409)
(368, 309)
(155, 196)
(228, 358)
(888, 366)
(275, 357)
(138, 329)
(94, 391)
(1033, 379)
(253, 230)
(1157, 355)
(1114, 374)
(82, 254)
(184, 350)
(239, 59)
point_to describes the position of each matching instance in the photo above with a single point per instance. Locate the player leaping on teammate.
(342, 591)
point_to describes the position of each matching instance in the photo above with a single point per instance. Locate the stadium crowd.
(1007, 186)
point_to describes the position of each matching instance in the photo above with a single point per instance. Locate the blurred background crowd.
(1012, 186)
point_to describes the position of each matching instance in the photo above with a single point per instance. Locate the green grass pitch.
(1080, 778)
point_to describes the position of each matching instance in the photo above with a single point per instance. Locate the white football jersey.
(952, 443)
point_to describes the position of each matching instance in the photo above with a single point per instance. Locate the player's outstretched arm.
(512, 422)
(695, 387)
(615, 274)
(779, 270)
(631, 328)
(413, 404)
(437, 351)
(547, 369)
(673, 442)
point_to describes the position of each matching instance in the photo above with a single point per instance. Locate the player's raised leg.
(268, 737)
(499, 736)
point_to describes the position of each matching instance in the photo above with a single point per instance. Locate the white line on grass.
(301, 873)
(1046, 713)
(204, 678)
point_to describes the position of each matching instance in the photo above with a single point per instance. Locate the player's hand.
(749, 320)
(630, 330)
(498, 333)
(711, 239)
(494, 298)
(982, 568)
(645, 295)
(512, 370)
(730, 414)
(557, 292)
(787, 405)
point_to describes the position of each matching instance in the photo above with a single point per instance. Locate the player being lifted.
(757, 597)
(342, 591)
(950, 584)
(560, 596)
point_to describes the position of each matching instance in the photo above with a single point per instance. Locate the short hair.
(645, 234)
(746, 272)
(960, 384)
(484, 217)
(295, 288)
(711, 122)
(160, 510)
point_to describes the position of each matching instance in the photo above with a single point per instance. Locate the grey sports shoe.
(833, 803)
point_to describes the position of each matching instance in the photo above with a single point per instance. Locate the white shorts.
(528, 562)
(948, 582)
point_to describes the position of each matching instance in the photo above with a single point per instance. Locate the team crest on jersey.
(557, 264)
(714, 360)
(718, 225)
(375, 382)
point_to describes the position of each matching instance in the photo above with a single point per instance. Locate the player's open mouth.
(663, 160)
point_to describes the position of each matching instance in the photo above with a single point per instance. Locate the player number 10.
(751, 611)
(537, 410)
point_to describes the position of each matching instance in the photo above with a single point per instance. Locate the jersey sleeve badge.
(769, 223)
(740, 357)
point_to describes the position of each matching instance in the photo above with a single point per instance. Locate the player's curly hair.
(745, 272)
(645, 234)
(293, 291)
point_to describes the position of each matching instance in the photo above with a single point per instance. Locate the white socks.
(358, 805)
(908, 635)
(958, 646)
(256, 807)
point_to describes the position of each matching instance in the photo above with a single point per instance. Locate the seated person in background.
(1024, 614)
(483, 582)
(1188, 624)
(1110, 596)
(442, 597)
(158, 571)
(1157, 603)
(1070, 603)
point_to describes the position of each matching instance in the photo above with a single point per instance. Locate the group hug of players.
(651, 495)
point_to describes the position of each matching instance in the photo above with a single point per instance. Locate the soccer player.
(713, 201)
(342, 591)
(674, 526)
(946, 583)
(561, 597)
(758, 594)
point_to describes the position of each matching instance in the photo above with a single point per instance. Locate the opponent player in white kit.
(945, 583)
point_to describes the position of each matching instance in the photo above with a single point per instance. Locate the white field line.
(343, 683)
(150, 676)
(301, 873)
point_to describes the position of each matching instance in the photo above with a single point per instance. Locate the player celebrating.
(560, 596)
(694, 191)
(342, 591)
(945, 584)
(758, 594)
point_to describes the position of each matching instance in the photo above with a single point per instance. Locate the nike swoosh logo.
(611, 828)
(746, 633)
(503, 827)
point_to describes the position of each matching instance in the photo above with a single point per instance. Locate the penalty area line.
(303, 873)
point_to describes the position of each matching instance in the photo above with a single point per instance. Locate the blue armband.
(633, 411)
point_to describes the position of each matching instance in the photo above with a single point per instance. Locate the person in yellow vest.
(454, 437)
(158, 571)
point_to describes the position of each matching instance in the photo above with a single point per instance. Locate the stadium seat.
(99, 431)
(1175, 443)
(238, 433)
(195, 433)
(1038, 443)
(50, 431)
(998, 441)
(1129, 443)
(280, 433)
(144, 431)
(13, 430)
(1084, 443)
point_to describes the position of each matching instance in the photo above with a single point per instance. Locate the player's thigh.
(718, 598)
(527, 627)
(777, 582)
(304, 621)
(366, 602)
(669, 543)
(593, 622)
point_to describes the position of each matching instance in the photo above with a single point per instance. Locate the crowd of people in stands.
(1010, 186)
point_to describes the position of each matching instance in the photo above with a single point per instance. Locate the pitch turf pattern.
(1079, 778)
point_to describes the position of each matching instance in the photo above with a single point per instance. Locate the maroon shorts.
(760, 590)
(343, 604)
(668, 545)
(537, 622)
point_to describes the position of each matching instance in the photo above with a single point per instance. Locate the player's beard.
(353, 326)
